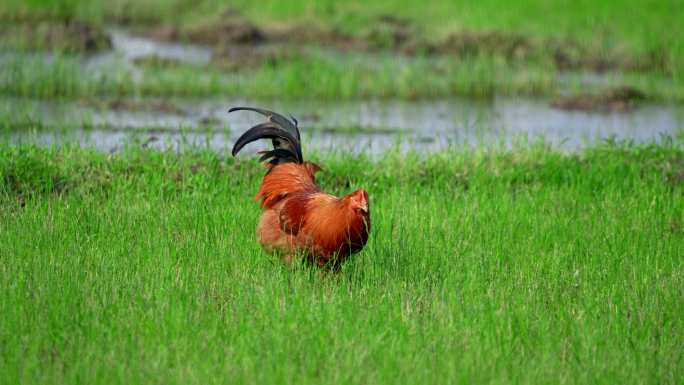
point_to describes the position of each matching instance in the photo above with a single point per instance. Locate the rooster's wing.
(292, 215)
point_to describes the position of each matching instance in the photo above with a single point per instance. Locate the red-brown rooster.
(298, 218)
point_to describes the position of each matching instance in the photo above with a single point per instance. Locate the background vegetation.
(448, 48)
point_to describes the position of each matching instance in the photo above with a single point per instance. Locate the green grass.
(484, 266)
(637, 24)
(320, 75)
(521, 266)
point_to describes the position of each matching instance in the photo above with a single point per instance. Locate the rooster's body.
(298, 218)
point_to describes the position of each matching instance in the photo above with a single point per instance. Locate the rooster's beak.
(364, 208)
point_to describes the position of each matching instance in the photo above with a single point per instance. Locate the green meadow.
(484, 266)
(492, 264)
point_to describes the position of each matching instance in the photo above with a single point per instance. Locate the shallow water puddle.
(360, 126)
(133, 47)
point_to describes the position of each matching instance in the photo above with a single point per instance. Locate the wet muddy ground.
(392, 33)
(360, 126)
(569, 121)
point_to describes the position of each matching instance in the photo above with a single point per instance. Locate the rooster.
(298, 218)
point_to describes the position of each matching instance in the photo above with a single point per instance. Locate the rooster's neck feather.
(285, 179)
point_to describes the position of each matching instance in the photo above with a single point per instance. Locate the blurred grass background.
(482, 48)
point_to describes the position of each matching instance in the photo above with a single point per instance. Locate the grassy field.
(463, 48)
(320, 76)
(521, 266)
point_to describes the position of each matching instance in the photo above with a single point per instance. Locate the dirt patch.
(156, 61)
(88, 37)
(312, 35)
(241, 57)
(468, 43)
(133, 105)
(622, 99)
(569, 55)
(357, 130)
(386, 32)
(565, 54)
(210, 121)
(230, 29)
(70, 36)
(163, 33)
(227, 32)
(390, 32)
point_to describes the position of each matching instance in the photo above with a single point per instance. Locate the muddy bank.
(145, 51)
(67, 36)
(622, 99)
(237, 42)
(564, 54)
(230, 28)
(387, 32)
(569, 54)
(144, 105)
(246, 57)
